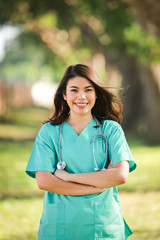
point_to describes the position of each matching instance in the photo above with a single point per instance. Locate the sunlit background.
(120, 40)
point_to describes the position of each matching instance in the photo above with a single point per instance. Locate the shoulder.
(47, 127)
(48, 130)
(110, 128)
(110, 124)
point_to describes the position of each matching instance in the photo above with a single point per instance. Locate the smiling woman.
(80, 96)
(81, 202)
(107, 105)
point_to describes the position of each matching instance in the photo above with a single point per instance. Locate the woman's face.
(80, 95)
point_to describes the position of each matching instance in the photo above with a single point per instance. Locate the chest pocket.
(52, 222)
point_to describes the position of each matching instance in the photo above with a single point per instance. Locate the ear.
(64, 96)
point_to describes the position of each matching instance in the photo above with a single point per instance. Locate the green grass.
(13, 180)
(19, 218)
(146, 177)
(142, 212)
(21, 201)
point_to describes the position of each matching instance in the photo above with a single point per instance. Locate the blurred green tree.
(75, 29)
(33, 59)
(148, 13)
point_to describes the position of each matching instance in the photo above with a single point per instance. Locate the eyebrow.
(78, 87)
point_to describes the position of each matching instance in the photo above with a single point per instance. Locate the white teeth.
(82, 104)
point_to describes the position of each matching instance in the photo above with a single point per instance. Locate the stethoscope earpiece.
(96, 169)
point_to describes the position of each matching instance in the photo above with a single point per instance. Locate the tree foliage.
(113, 23)
(75, 31)
(28, 59)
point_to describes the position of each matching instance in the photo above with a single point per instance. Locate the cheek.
(92, 96)
(70, 97)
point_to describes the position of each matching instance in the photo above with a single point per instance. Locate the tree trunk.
(133, 104)
(142, 99)
(152, 103)
(148, 10)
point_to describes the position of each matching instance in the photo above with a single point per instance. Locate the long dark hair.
(107, 105)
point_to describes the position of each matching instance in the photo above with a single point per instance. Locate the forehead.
(79, 82)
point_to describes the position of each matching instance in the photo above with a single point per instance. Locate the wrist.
(71, 177)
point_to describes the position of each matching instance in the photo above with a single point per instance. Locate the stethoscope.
(61, 164)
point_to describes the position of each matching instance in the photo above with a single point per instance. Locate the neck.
(75, 119)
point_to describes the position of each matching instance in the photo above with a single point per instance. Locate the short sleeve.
(43, 156)
(119, 149)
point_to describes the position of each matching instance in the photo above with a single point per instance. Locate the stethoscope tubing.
(61, 164)
(99, 135)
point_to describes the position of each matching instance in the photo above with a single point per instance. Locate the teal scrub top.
(87, 217)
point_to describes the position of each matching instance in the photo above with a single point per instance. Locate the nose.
(81, 95)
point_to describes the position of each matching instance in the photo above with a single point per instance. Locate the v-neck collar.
(82, 132)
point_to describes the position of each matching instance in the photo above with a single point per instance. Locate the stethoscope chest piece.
(61, 165)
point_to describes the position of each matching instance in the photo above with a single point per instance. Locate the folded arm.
(102, 179)
(48, 182)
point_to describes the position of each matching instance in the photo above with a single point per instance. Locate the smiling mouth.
(81, 104)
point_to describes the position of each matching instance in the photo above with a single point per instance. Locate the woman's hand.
(66, 176)
(62, 174)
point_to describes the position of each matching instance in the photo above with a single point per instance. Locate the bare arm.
(103, 179)
(48, 182)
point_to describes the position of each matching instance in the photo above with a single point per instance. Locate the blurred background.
(120, 40)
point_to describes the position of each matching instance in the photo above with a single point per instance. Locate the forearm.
(105, 178)
(48, 182)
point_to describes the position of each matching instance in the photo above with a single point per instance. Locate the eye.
(89, 90)
(73, 90)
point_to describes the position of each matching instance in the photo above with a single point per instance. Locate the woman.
(78, 169)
